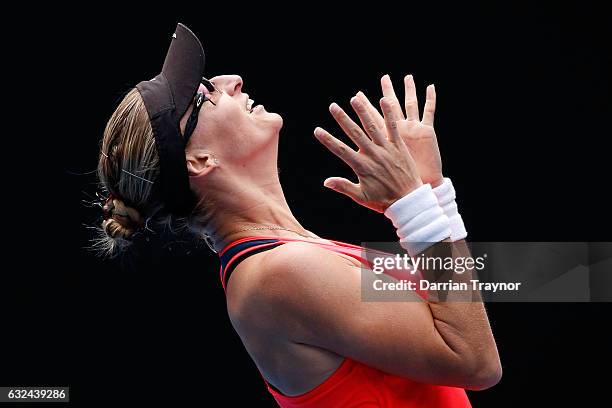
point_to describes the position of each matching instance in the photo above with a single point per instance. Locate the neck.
(255, 207)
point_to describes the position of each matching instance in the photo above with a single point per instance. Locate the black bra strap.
(231, 253)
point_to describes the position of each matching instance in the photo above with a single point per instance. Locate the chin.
(274, 120)
(278, 118)
(266, 121)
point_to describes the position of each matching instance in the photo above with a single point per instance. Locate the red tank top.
(353, 384)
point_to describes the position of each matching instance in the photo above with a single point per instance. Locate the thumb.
(343, 186)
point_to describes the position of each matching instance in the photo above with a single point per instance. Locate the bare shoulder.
(295, 257)
(284, 280)
(301, 265)
(285, 267)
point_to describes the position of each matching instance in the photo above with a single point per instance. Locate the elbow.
(474, 374)
(484, 375)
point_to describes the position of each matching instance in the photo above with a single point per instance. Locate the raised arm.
(314, 297)
(448, 343)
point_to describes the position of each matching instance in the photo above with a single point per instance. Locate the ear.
(200, 162)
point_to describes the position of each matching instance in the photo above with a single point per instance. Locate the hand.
(419, 135)
(383, 164)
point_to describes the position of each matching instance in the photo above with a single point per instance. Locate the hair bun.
(123, 220)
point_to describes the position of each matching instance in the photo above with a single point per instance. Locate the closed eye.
(206, 98)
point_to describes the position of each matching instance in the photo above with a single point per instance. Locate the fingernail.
(328, 184)
(333, 108)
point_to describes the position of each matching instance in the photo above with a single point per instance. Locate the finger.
(343, 186)
(411, 103)
(371, 127)
(337, 147)
(374, 113)
(349, 127)
(430, 106)
(390, 122)
(389, 92)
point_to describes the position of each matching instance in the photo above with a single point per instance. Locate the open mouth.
(250, 104)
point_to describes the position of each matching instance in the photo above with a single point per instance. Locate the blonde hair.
(128, 168)
(127, 146)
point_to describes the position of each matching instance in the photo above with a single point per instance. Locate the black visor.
(167, 97)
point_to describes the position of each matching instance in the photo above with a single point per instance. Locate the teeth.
(250, 104)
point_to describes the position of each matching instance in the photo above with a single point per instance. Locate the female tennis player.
(181, 145)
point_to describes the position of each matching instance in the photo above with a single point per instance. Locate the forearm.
(459, 315)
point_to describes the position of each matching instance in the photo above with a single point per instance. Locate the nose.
(230, 84)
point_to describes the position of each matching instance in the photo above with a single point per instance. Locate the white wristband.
(446, 195)
(419, 219)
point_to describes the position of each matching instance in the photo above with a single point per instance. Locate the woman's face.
(228, 128)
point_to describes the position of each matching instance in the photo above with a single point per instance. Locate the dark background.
(522, 122)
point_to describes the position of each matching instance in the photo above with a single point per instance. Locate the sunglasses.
(198, 101)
